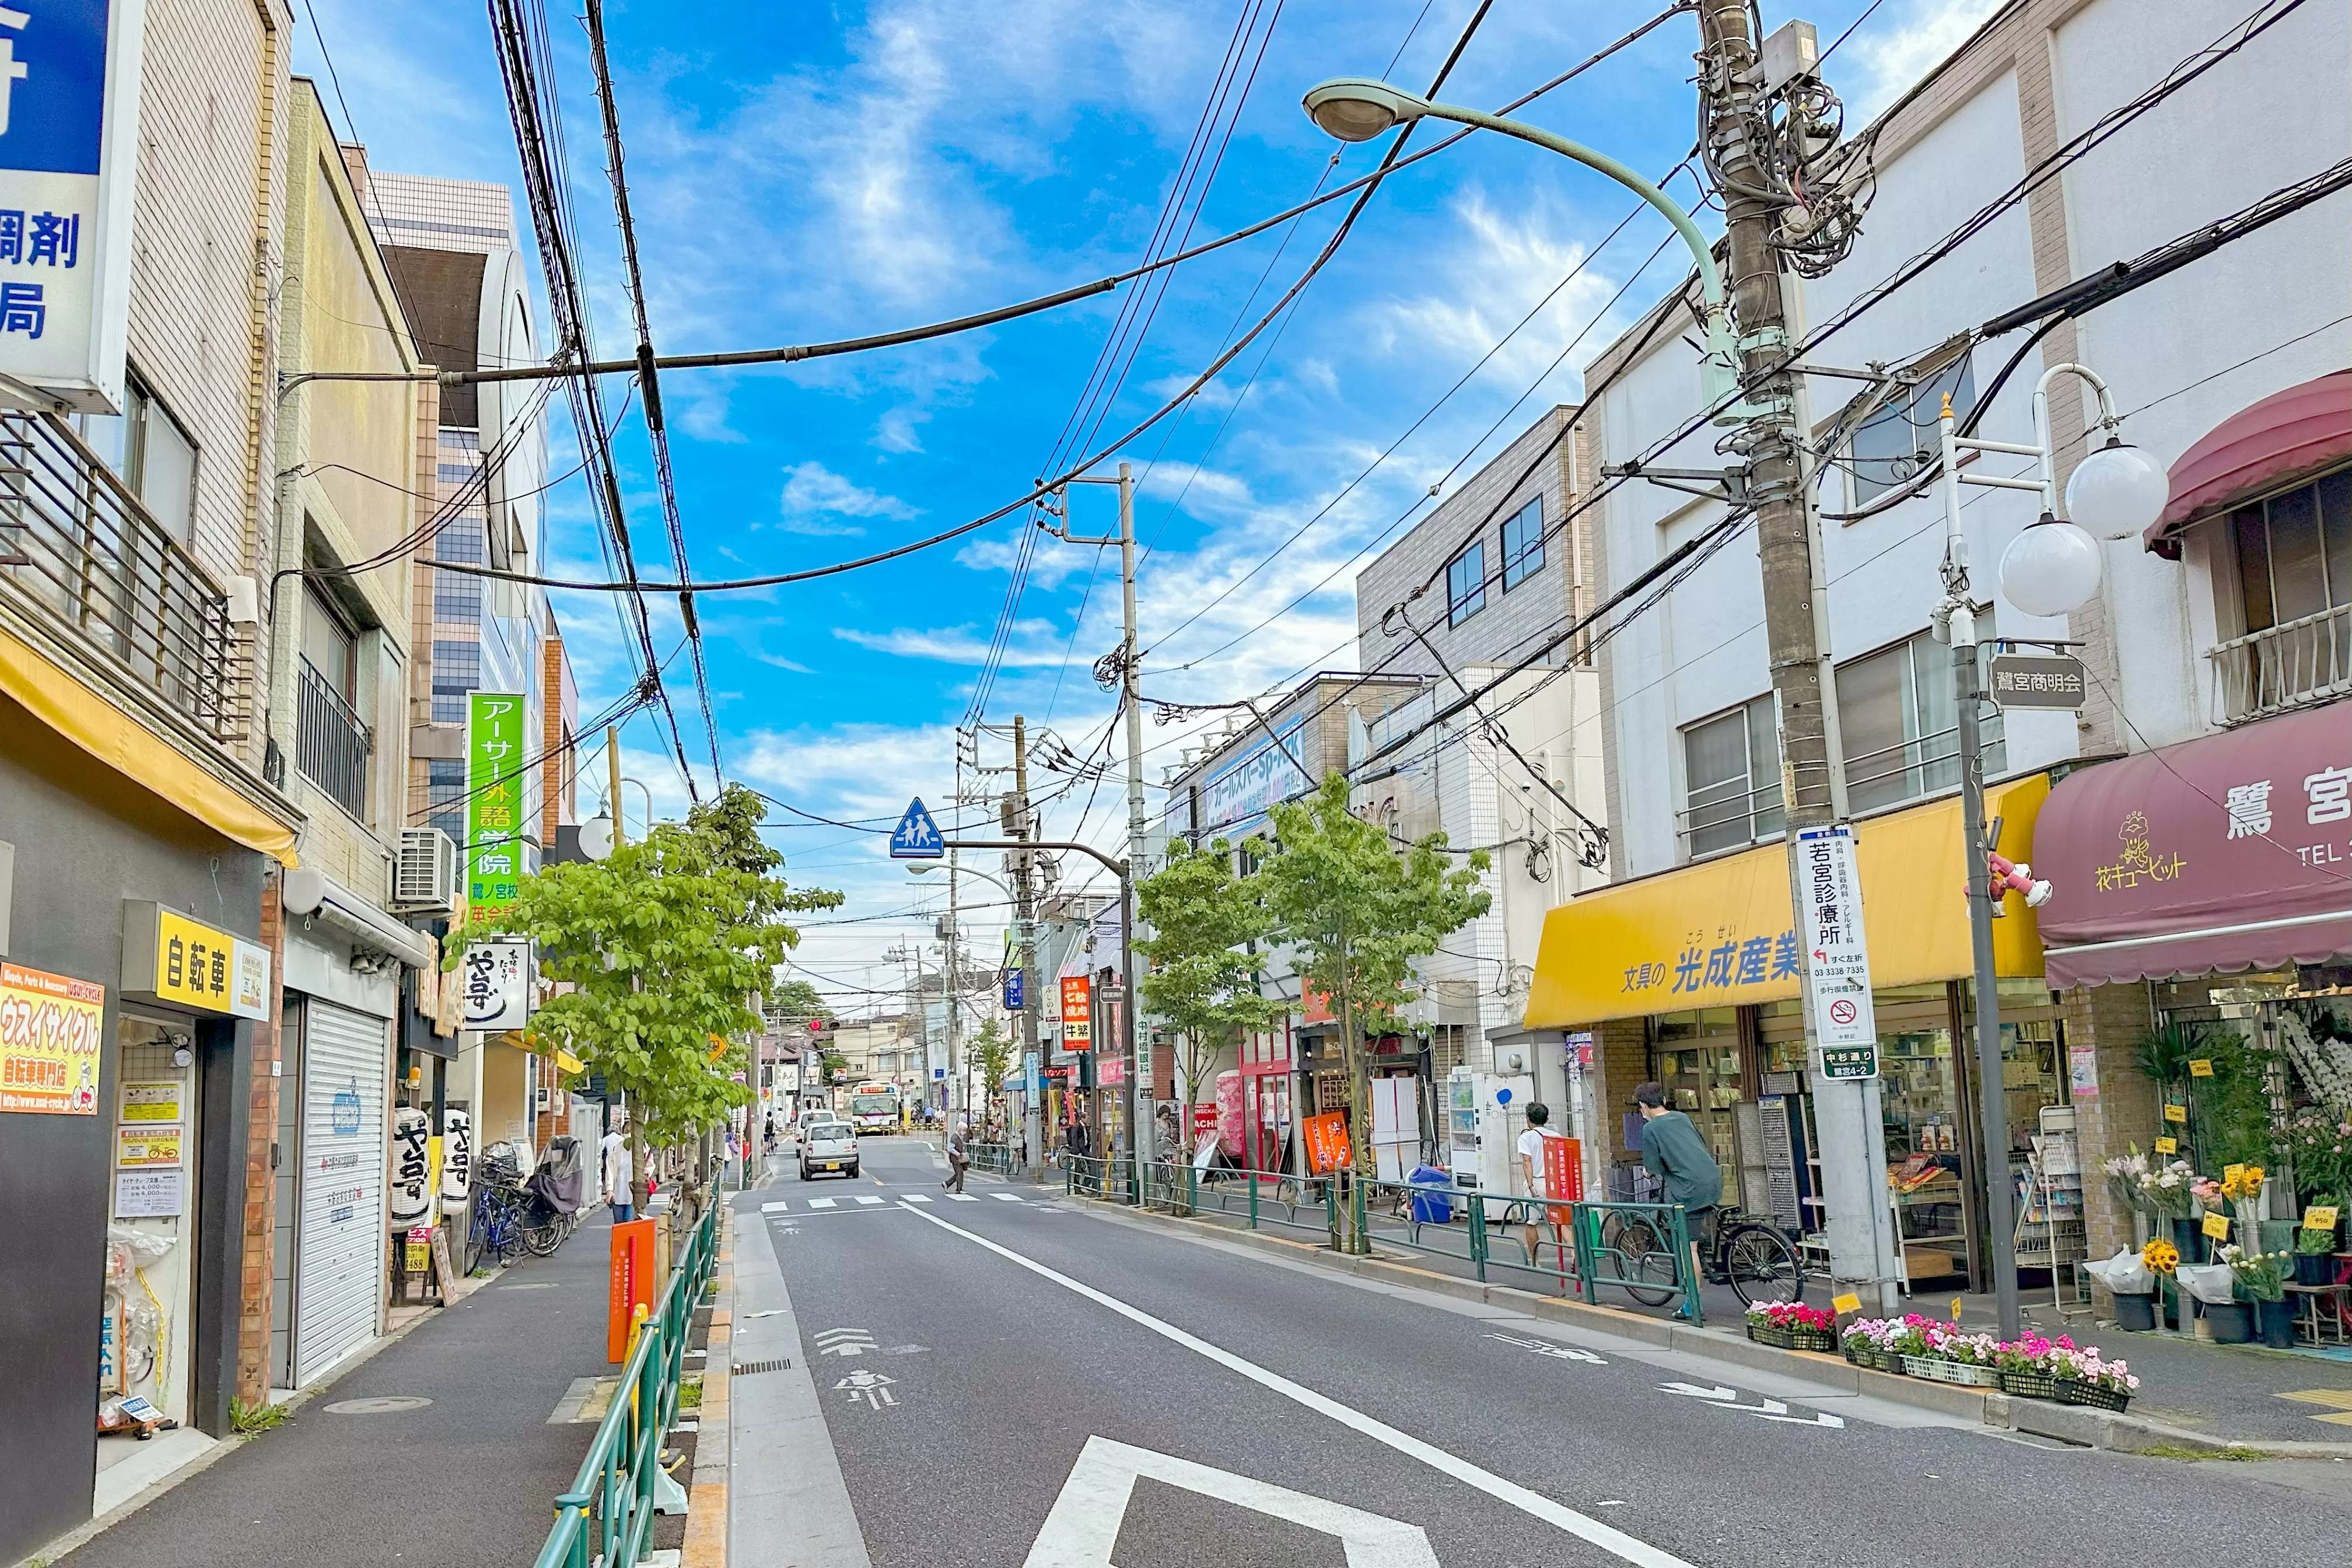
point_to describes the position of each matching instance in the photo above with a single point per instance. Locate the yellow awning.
(1722, 933)
(135, 752)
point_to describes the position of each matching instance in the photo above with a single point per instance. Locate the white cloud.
(1896, 56)
(1033, 643)
(815, 496)
(895, 431)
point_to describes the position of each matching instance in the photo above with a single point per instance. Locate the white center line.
(1584, 1527)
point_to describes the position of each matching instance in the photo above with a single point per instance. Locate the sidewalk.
(2233, 1393)
(469, 1478)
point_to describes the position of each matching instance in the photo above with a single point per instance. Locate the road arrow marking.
(1722, 1398)
(1545, 1347)
(1085, 1522)
(1817, 1419)
(844, 1341)
(1695, 1391)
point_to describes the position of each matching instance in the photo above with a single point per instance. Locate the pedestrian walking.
(1531, 1168)
(959, 1159)
(617, 1173)
(1674, 1151)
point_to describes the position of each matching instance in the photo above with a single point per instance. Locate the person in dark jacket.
(1674, 1151)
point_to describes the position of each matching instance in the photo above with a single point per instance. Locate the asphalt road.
(1035, 1381)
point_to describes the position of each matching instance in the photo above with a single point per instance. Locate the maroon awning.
(2229, 853)
(2286, 437)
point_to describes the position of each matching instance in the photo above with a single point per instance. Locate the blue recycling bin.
(1431, 1201)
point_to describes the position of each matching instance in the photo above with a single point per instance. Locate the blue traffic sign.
(1012, 990)
(916, 837)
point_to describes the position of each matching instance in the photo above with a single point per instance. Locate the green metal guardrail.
(607, 1519)
(996, 1158)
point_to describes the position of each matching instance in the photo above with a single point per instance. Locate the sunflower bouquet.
(2242, 1182)
(2160, 1256)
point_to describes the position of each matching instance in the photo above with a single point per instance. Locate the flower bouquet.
(2085, 1377)
(2165, 1189)
(2244, 1183)
(2160, 1256)
(2261, 1276)
(1792, 1325)
(2126, 1178)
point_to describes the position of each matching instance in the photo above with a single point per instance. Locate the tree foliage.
(666, 946)
(797, 1001)
(1203, 980)
(992, 1052)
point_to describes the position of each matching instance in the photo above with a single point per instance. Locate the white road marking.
(1723, 1398)
(916, 1197)
(823, 1203)
(779, 1206)
(963, 1198)
(1582, 1526)
(1006, 1197)
(869, 1200)
(1085, 1522)
(1545, 1347)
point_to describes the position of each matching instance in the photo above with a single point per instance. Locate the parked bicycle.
(506, 1221)
(1750, 1254)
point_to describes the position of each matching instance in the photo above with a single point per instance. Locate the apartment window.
(1466, 583)
(2294, 582)
(456, 598)
(330, 735)
(151, 452)
(445, 797)
(1896, 717)
(456, 671)
(1731, 776)
(1894, 445)
(1522, 545)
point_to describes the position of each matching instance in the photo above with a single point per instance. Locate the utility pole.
(1847, 1111)
(1024, 911)
(951, 1093)
(612, 767)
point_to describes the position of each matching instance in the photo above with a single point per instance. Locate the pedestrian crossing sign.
(916, 837)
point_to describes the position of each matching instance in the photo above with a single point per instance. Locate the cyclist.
(1674, 1151)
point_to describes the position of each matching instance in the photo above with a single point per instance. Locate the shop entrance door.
(339, 1246)
(145, 1337)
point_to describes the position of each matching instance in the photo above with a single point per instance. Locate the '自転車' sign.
(68, 155)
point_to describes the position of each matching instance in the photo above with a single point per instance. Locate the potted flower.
(1972, 1360)
(1792, 1325)
(1865, 1344)
(2261, 1279)
(2028, 1367)
(2085, 1377)
(2315, 1249)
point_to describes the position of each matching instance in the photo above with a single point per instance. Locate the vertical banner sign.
(1563, 1173)
(69, 147)
(496, 983)
(1327, 1141)
(1838, 972)
(1014, 990)
(1077, 1014)
(632, 1284)
(494, 764)
(49, 1039)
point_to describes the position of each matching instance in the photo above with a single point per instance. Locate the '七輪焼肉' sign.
(68, 156)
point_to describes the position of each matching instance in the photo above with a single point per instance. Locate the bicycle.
(1752, 1256)
(502, 1224)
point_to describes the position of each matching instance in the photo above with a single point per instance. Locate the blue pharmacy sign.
(1014, 990)
(68, 136)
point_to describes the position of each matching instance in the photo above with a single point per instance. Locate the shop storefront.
(1690, 978)
(2204, 909)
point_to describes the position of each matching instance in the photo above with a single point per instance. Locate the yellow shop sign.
(174, 958)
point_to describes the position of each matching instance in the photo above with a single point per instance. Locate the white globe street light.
(596, 837)
(2051, 568)
(2117, 492)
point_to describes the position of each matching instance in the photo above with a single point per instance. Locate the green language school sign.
(494, 766)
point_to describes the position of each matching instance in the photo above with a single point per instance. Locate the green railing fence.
(607, 1519)
(994, 1157)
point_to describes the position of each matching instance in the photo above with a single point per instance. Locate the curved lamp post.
(1357, 109)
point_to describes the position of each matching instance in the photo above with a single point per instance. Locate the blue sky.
(801, 172)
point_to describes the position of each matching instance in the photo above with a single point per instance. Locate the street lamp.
(600, 834)
(1357, 109)
(2050, 569)
(2117, 491)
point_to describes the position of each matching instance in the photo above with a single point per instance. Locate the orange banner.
(50, 1036)
(1327, 1141)
(631, 1283)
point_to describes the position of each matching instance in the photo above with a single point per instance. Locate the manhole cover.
(383, 1406)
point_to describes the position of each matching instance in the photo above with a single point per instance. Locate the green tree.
(992, 1052)
(796, 1001)
(1205, 923)
(1356, 912)
(665, 947)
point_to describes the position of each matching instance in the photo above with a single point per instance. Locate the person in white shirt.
(618, 1174)
(1532, 1168)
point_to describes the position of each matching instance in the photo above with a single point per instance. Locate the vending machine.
(1485, 1113)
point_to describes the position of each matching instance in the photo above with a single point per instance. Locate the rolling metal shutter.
(339, 1257)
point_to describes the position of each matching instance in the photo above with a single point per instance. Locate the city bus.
(874, 1107)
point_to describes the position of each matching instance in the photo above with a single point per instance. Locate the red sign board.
(1077, 1014)
(632, 1284)
(1327, 1141)
(1563, 1170)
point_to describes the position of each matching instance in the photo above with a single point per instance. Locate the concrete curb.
(2066, 1422)
(706, 1514)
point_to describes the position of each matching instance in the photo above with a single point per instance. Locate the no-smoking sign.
(1842, 1012)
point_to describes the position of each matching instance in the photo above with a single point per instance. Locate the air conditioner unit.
(425, 881)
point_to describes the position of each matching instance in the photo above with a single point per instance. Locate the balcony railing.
(90, 558)
(331, 742)
(2307, 661)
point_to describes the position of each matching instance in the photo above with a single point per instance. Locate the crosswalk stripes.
(779, 1206)
(869, 1200)
(1006, 1197)
(915, 1197)
(964, 1197)
(823, 1203)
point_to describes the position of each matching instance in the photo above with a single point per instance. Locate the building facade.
(2226, 625)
